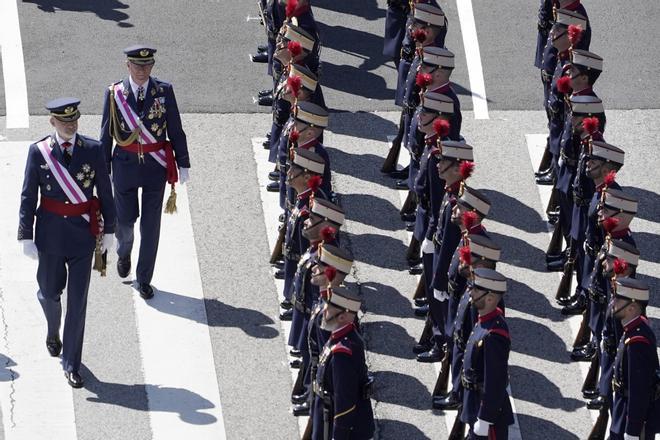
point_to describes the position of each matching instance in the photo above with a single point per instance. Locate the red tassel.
(591, 125)
(314, 182)
(294, 135)
(465, 255)
(620, 266)
(423, 80)
(564, 85)
(441, 127)
(294, 83)
(466, 168)
(419, 35)
(294, 48)
(610, 178)
(609, 224)
(469, 219)
(330, 273)
(291, 6)
(574, 34)
(328, 234)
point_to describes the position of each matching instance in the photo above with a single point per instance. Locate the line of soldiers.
(333, 384)
(591, 215)
(70, 211)
(460, 293)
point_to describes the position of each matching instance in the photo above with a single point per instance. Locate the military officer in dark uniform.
(342, 387)
(141, 119)
(396, 18)
(486, 406)
(72, 224)
(636, 409)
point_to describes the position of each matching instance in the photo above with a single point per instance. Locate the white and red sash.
(133, 121)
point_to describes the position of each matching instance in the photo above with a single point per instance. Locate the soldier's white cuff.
(630, 437)
(481, 428)
(427, 246)
(440, 295)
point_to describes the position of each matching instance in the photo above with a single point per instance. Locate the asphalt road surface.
(163, 368)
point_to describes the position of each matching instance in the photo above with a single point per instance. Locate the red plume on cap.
(620, 266)
(419, 35)
(328, 234)
(441, 127)
(294, 48)
(294, 134)
(564, 85)
(423, 79)
(610, 223)
(591, 125)
(575, 34)
(294, 83)
(330, 273)
(291, 6)
(314, 182)
(466, 168)
(469, 219)
(465, 255)
(610, 178)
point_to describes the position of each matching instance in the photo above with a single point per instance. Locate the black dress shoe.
(596, 403)
(274, 176)
(146, 291)
(590, 394)
(416, 269)
(281, 218)
(583, 354)
(54, 346)
(266, 144)
(301, 410)
(266, 101)
(408, 217)
(295, 364)
(448, 403)
(123, 266)
(433, 355)
(542, 172)
(279, 264)
(273, 187)
(262, 48)
(297, 399)
(422, 311)
(295, 353)
(419, 302)
(401, 184)
(74, 379)
(279, 275)
(286, 304)
(546, 179)
(566, 301)
(576, 307)
(399, 174)
(265, 92)
(260, 57)
(286, 315)
(555, 266)
(422, 347)
(410, 226)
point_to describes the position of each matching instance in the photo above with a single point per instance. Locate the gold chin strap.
(114, 124)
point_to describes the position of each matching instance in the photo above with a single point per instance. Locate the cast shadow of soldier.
(367, 9)
(105, 10)
(189, 405)
(6, 372)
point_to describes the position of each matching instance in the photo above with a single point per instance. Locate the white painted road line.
(271, 209)
(13, 66)
(177, 355)
(473, 58)
(450, 416)
(37, 402)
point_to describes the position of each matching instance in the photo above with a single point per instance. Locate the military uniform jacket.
(447, 238)
(303, 296)
(485, 372)
(160, 117)
(634, 381)
(556, 106)
(55, 234)
(294, 242)
(430, 190)
(342, 375)
(544, 25)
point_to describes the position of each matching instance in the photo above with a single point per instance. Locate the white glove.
(440, 295)
(30, 249)
(481, 428)
(427, 246)
(108, 241)
(630, 437)
(184, 175)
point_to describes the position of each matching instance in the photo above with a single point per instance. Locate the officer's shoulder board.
(341, 348)
(499, 331)
(637, 339)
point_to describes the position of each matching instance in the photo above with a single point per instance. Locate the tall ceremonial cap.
(308, 79)
(567, 18)
(343, 298)
(624, 250)
(617, 200)
(340, 259)
(489, 279)
(609, 153)
(328, 211)
(312, 114)
(64, 109)
(585, 105)
(484, 248)
(308, 160)
(456, 150)
(586, 60)
(437, 56)
(140, 54)
(475, 200)
(437, 103)
(632, 288)
(295, 33)
(429, 14)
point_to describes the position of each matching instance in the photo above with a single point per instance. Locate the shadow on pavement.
(354, 42)
(537, 340)
(403, 390)
(391, 429)
(649, 203)
(551, 397)
(386, 300)
(526, 300)
(511, 211)
(541, 429)
(363, 125)
(6, 373)
(361, 166)
(355, 81)
(187, 404)
(380, 250)
(648, 245)
(517, 252)
(105, 10)
(367, 9)
(375, 212)
(394, 341)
